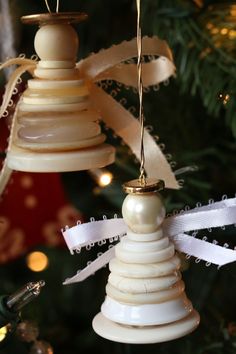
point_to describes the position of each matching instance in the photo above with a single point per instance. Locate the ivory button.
(59, 133)
(149, 314)
(144, 258)
(143, 285)
(145, 237)
(145, 298)
(49, 118)
(134, 246)
(144, 270)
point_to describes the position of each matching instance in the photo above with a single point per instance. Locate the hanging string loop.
(57, 6)
(142, 177)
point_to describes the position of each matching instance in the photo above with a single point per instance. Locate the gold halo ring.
(54, 17)
(137, 187)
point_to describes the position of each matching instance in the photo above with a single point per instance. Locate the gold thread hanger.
(142, 177)
(57, 6)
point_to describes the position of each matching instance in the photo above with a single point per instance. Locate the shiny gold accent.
(53, 17)
(151, 185)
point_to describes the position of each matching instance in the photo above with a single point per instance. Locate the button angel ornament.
(55, 126)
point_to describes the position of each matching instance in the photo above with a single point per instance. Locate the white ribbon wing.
(84, 234)
(209, 216)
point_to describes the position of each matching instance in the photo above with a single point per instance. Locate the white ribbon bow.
(217, 214)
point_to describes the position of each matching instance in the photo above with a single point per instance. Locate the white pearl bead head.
(57, 42)
(143, 213)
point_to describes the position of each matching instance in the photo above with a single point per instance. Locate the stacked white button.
(145, 213)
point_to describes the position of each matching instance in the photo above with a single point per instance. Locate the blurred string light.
(222, 31)
(224, 98)
(37, 261)
(219, 21)
(3, 332)
(101, 176)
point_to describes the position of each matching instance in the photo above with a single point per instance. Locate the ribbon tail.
(17, 61)
(84, 234)
(26, 65)
(6, 172)
(11, 85)
(203, 250)
(5, 175)
(92, 267)
(128, 128)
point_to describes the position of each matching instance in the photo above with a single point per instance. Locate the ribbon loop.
(98, 63)
(153, 73)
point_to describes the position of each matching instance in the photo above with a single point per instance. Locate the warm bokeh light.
(102, 176)
(3, 333)
(209, 25)
(37, 261)
(105, 179)
(226, 99)
(224, 31)
(215, 30)
(232, 33)
(233, 11)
